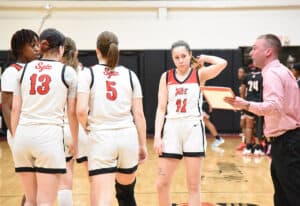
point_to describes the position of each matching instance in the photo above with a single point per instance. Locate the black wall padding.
(154, 66)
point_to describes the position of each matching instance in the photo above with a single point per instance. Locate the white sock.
(64, 198)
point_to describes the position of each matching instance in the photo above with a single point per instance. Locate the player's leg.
(28, 182)
(24, 165)
(64, 195)
(125, 184)
(47, 188)
(212, 129)
(50, 162)
(258, 136)
(248, 134)
(194, 145)
(128, 150)
(165, 173)
(170, 158)
(102, 157)
(242, 145)
(193, 172)
(102, 189)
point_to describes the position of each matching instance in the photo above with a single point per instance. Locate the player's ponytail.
(195, 64)
(107, 44)
(70, 53)
(112, 55)
(51, 40)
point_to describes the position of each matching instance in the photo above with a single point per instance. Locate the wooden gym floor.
(228, 178)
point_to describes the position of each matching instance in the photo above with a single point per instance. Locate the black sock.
(125, 194)
(249, 146)
(217, 137)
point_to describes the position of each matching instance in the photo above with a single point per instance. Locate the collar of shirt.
(273, 63)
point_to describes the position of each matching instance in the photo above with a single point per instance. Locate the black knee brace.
(125, 194)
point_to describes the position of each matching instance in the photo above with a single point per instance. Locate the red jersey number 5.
(43, 84)
(111, 92)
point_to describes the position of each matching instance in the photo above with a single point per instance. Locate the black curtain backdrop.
(150, 64)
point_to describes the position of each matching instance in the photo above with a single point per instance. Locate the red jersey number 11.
(181, 105)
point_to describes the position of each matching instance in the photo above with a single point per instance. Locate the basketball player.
(207, 110)
(44, 88)
(241, 76)
(116, 124)
(25, 48)
(183, 134)
(296, 72)
(70, 57)
(251, 90)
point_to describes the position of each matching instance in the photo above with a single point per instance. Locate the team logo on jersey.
(181, 91)
(109, 73)
(41, 66)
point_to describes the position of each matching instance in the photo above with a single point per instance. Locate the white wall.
(157, 24)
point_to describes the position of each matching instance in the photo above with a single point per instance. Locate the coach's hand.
(237, 102)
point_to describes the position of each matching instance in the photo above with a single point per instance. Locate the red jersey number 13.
(43, 84)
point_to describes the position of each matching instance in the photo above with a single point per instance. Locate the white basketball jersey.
(183, 96)
(44, 92)
(10, 76)
(111, 96)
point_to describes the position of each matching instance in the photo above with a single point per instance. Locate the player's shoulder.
(14, 67)
(122, 68)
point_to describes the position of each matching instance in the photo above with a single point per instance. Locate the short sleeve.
(137, 90)
(84, 80)
(9, 80)
(71, 80)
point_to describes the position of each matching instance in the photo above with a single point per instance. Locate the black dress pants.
(285, 168)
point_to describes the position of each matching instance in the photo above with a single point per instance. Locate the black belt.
(277, 138)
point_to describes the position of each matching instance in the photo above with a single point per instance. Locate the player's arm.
(16, 110)
(71, 108)
(160, 113)
(83, 85)
(8, 84)
(7, 98)
(81, 109)
(243, 91)
(140, 122)
(139, 117)
(210, 72)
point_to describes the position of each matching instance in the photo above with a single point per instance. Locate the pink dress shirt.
(281, 100)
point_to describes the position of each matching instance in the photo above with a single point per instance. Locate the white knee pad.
(64, 198)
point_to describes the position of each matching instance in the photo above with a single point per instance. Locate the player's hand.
(201, 59)
(73, 149)
(158, 145)
(143, 154)
(210, 109)
(237, 102)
